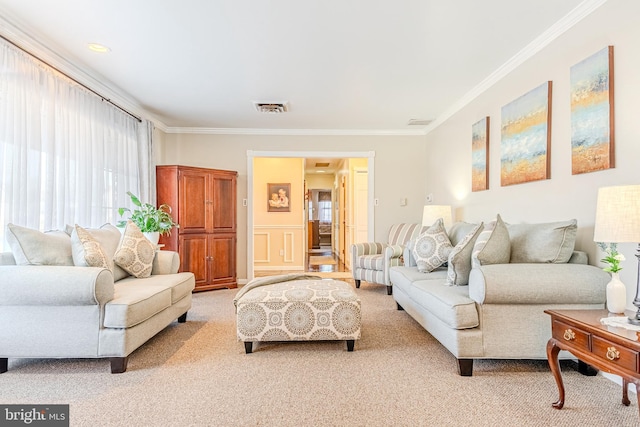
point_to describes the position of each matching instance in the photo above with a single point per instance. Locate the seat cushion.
(370, 262)
(133, 304)
(451, 304)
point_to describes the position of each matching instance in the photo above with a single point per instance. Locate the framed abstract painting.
(525, 146)
(480, 155)
(592, 119)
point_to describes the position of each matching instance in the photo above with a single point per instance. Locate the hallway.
(314, 263)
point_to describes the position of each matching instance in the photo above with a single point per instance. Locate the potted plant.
(152, 221)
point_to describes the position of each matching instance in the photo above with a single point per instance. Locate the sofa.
(371, 261)
(488, 300)
(56, 303)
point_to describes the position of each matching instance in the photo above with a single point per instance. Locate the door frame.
(251, 155)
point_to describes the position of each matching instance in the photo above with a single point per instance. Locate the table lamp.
(431, 213)
(618, 221)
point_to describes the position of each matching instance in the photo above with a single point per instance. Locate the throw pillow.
(33, 247)
(432, 247)
(460, 258)
(551, 242)
(493, 245)
(136, 253)
(87, 251)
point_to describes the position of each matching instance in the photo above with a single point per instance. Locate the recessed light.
(320, 171)
(99, 48)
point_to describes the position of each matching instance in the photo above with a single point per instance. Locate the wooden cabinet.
(204, 204)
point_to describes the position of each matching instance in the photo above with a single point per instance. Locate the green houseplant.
(149, 218)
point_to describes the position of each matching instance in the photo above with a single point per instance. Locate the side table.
(611, 349)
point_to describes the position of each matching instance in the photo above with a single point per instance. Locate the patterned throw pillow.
(460, 258)
(432, 247)
(493, 245)
(87, 251)
(136, 253)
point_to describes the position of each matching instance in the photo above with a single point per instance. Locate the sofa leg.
(248, 347)
(465, 367)
(4, 365)
(389, 290)
(182, 318)
(586, 369)
(357, 283)
(118, 364)
(399, 306)
(350, 344)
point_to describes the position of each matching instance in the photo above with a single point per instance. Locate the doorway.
(251, 155)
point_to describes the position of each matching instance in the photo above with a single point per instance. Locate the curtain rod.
(71, 78)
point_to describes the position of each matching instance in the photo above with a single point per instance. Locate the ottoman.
(286, 308)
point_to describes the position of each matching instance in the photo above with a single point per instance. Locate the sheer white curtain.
(66, 156)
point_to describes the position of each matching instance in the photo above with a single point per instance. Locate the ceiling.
(342, 65)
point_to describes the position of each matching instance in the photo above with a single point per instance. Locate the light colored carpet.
(321, 260)
(197, 374)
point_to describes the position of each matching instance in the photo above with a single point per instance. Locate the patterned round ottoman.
(298, 310)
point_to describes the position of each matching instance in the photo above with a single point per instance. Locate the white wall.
(564, 196)
(399, 168)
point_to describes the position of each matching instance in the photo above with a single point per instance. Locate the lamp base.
(635, 320)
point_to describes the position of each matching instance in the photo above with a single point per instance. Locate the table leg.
(625, 392)
(554, 364)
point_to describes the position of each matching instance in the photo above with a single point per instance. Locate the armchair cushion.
(371, 262)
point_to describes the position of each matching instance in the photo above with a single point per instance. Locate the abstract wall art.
(525, 146)
(480, 155)
(592, 130)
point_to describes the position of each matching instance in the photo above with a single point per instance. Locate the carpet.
(321, 260)
(197, 374)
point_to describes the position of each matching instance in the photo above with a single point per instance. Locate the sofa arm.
(538, 284)
(166, 262)
(55, 285)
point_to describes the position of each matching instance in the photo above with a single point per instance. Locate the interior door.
(360, 194)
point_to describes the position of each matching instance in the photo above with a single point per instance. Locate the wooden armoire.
(203, 203)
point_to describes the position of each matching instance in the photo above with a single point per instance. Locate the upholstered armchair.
(371, 261)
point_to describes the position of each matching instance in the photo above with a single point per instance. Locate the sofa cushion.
(459, 263)
(451, 304)
(33, 247)
(134, 302)
(135, 253)
(370, 262)
(87, 251)
(548, 242)
(180, 284)
(432, 247)
(493, 245)
(108, 236)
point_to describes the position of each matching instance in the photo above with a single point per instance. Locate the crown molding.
(295, 132)
(556, 30)
(15, 34)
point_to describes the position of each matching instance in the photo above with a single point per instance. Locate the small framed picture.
(278, 197)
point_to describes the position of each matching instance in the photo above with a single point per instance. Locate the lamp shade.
(618, 214)
(431, 213)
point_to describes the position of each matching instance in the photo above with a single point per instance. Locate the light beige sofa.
(496, 309)
(67, 311)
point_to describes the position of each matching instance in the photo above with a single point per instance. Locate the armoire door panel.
(194, 256)
(193, 202)
(223, 250)
(224, 203)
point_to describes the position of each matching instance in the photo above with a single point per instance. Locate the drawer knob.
(569, 335)
(612, 353)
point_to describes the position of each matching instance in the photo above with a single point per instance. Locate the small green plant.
(149, 218)
(612, 257)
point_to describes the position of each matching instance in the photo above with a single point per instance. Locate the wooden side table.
(611, 349)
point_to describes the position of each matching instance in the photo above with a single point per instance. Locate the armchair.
(371, 261)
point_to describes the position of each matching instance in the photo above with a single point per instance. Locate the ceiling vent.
(418, 122)
(322, 165)
(271, 107)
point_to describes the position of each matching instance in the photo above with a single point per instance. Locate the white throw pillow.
(87, 251)
(493, 246)
(33, 247)
(136, 253)
(460, 258)
(432, 247)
